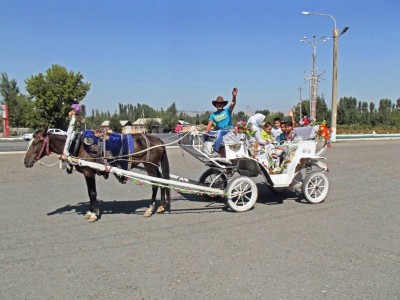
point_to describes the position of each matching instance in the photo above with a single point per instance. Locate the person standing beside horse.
(222, 120)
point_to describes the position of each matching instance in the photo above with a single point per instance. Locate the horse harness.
(101, 151)
(100, 154)
(45, 147)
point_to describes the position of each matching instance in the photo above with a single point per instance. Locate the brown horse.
(43, 144)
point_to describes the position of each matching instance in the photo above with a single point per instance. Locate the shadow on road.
(138, 207)
(107, 207)
(265, 196)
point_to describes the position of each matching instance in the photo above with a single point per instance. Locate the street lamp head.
(319, 14)
(344, 30)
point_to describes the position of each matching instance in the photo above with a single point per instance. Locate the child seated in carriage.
(266, 133)
(276, 129)
(263, 148)
(276, 155)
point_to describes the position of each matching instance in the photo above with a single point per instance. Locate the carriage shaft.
(148, 179)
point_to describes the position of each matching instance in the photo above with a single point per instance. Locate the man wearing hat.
(221, 119)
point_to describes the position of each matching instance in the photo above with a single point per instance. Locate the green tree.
(170, 118)
(239, 116)
(151, 125)
(203, 118)
(9, 90)
(348, 112)
(53, 94)
(323, 113)
(384, 110)
(115, 124)
(305, 109)
(372, 107)
(23, 113)
(372, 114)
(265, 112)
(20, 108)
(365, 115)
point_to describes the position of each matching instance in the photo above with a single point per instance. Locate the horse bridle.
(45, 146)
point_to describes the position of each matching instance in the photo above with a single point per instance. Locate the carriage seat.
(306, 133)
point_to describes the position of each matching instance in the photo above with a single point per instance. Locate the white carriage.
(301, 170)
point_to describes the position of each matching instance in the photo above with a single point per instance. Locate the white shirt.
(276, 132)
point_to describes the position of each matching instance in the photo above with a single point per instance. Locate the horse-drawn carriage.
(227, 179)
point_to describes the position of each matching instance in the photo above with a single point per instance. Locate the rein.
(45, 146)
(126, 157)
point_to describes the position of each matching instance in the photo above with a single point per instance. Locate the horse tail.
(166, 175)
(165, 165)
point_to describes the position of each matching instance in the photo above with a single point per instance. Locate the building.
(140, 125)
(126, 126)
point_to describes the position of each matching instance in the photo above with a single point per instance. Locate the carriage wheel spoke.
(316, 187)
(248, 192)
(241, 192)
(247, 198)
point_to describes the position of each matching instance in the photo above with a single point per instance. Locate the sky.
(190, 52)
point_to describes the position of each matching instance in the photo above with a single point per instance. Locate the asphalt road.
(13, 145)
(345, 248)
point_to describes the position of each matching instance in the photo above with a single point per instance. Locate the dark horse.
(43, 144)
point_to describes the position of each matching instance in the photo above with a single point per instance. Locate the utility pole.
(314, 76)
(336, 35)
(6, 124)
(301, 114)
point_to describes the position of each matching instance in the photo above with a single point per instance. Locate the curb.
(12, 139)
(366, 139)
(13, 152)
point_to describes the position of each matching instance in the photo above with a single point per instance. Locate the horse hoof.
(92, 218)
(160, 209)
(148, 213)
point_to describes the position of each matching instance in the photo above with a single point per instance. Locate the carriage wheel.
(216, 179)
(315, 187)
(241, 193)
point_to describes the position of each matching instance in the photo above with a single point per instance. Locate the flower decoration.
(76, 108)
(76, 111)
(242, 127)
(178, 128)
(324, 132)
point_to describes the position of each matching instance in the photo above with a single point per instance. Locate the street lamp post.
(300, 102)
(334, 69)
(314, 78)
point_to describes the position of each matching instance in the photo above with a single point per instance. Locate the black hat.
(219, 99)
